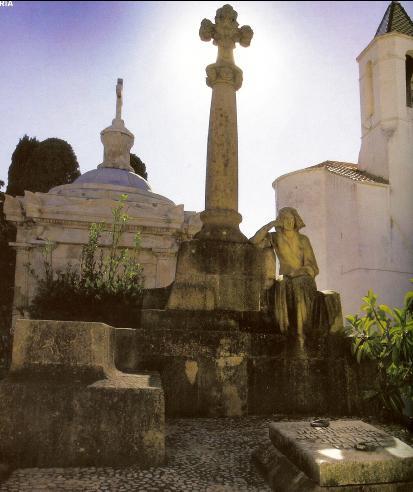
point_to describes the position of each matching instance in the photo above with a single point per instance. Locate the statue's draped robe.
(295, 288)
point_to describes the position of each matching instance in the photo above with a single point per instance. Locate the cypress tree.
(52, 163)
(138, 166)
(18, 179)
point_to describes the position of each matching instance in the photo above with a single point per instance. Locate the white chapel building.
(359, 217)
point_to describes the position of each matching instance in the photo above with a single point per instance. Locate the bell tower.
(386, 95)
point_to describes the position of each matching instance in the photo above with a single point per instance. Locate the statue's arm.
(310, 266)
(261, 237)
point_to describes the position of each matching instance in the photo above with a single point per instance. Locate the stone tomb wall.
(232, 364)
(64, 403)
(157, 254)
(63, 216)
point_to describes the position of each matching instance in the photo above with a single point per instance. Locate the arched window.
(409, 81)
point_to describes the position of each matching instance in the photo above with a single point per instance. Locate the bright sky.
(299, 104)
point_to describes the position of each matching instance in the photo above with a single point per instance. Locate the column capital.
(223, 73)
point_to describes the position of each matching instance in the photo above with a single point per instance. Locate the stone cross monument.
(219, 269)
(221, 218)
(117, 139)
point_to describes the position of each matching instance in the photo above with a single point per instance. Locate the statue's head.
(289, 219)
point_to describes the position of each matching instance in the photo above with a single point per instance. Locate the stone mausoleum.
(64, 214)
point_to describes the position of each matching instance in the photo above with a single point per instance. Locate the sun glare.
(333, 453)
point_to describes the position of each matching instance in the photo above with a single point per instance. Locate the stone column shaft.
(221, 218)
(221, 188)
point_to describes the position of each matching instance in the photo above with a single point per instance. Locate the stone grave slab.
(348, 452)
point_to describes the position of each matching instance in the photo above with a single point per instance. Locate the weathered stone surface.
(65, 404)
(283, 476)
(204, 373)
(56, 349)
(5, 471)
(117, 139)
(221, 218)
(224, 363)
(47, 424)
(204, 455)
(329, 457)
(218, 275)
(199, 320)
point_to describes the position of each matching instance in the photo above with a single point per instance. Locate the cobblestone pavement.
(204, 455)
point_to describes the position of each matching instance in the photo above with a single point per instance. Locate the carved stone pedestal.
(229, 363)
(218, 275)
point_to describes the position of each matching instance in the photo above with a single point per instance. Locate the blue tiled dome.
(119, 177)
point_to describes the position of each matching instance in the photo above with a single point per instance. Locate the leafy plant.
(104, 280)
(385, 335)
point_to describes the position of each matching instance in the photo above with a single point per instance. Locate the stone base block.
(346, 456)
(112, 422)
(229, 364)
(65, 404)
(203, 374)
(218, 275)
(283, 476)
(344, 453)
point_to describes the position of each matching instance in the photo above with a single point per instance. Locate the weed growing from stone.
(108, 276)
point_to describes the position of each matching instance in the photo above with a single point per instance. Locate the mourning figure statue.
(295, 287)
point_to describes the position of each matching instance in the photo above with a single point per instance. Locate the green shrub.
(385, 336)
(103, 285)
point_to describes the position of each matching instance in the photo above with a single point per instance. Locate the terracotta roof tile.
(349, 170)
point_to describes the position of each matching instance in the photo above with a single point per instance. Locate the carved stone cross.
(225, 33)
(119, 89)
(219, 269)
(220, 218)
